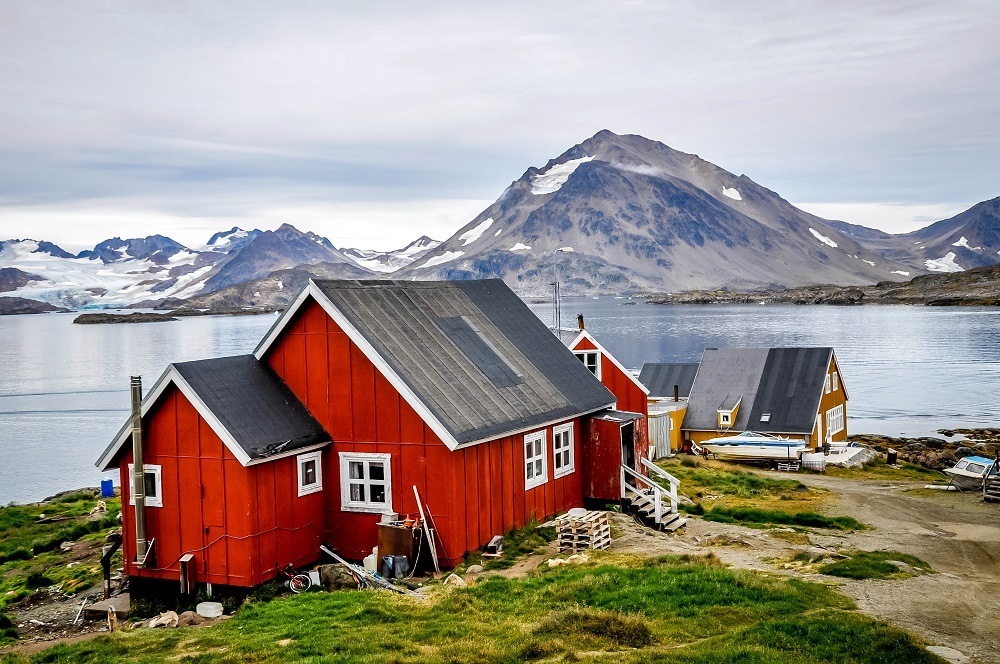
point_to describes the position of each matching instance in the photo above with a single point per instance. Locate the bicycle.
(297, 583)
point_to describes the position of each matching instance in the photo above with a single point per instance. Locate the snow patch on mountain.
(446, 257)
(962, 242)
(553, 179)
(902, 272)
(734, 194)
(520, 247)
(944, 264)
(822, 238)
(473, 234)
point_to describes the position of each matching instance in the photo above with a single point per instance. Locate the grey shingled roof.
(407, 323)
(786, 383)
(790, 389)
(660, 378)
(253, 404)
(725, 375)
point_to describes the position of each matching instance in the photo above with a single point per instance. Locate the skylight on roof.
(766, 417)
(480, 351)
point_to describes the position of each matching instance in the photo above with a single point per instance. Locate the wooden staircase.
(651, 503)
(991, 488)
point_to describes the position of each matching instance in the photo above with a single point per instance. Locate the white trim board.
(359, 340)
(173, 377)
(584, 334)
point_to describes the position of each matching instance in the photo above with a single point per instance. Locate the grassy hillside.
(616, 609)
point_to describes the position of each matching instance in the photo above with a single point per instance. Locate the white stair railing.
(673, 481)
(648, 485)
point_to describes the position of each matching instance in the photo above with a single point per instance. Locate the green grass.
(874, 565)
(699, 477)
(530, 538)
(616, 609)
(878, 470)
(30, 559)
(749, 515)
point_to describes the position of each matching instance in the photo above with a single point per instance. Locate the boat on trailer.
(754, 446)
(968, 474)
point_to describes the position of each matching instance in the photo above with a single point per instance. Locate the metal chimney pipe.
(677, 392)
(138, 471)
(579, 321)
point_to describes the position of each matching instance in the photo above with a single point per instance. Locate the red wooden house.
(360, 392)
(619, 437)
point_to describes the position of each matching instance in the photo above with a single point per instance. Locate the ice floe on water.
(822, 238)
(902, 272)
(473, 234)
(551, 180)
(944, 264)
(733, 193)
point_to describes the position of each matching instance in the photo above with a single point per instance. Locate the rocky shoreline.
(936, 453)
(134, 317)
(977, 287)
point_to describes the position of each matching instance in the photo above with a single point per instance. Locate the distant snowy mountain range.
(146, 271)
(613, 214)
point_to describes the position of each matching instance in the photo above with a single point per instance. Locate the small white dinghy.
(753, 446)
(968, 473)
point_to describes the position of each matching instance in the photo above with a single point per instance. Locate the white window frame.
(157, 473)
(348, 505)
(538, 447)
(582, 354)
(835, 381)
(835, 420)
(570, 465)
(300, 461)
(826, 384)
(725, 417)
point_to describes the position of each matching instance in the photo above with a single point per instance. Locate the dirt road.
(959, 535)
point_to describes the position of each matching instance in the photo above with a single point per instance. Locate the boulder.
(455, 580)
(475, 570)
(167, 619)
(962, 452)
(189, 618)
(337, 577)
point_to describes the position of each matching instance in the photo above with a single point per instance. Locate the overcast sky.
(374, 122)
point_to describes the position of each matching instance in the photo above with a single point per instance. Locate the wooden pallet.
(591, 530)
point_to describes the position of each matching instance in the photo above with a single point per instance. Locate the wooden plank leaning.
(427, 531)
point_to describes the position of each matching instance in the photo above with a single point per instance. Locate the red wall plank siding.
(244, 523)
(213, 507)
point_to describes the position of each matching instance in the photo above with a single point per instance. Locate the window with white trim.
(365, 482)
(154, 485)
(826, 384)
(591, 359)
(535, 468)
(563, 461)
(835, 381)
(310, 471)
(835, 420)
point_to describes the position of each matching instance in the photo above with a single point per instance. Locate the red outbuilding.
(360, 393)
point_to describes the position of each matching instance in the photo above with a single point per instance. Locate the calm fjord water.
(908, 370)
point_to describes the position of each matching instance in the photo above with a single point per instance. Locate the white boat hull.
(751, 451)
(965, 481)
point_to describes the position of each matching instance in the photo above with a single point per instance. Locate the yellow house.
(795, 392)
(669, 385)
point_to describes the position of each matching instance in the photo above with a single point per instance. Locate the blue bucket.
(107, 488)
